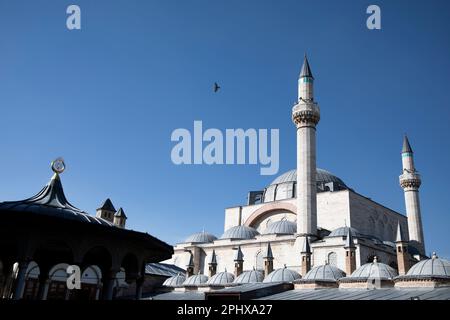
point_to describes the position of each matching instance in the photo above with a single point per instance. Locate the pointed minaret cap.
(406, 146)
(306, 70)
(107, 205)
(120, 213)
(269, 254)
(349, 240)
(213, 258)
(239, 255)
(399, 236)
(306, 246)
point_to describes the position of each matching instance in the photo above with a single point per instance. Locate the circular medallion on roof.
(175, 281)
(324, 272)
(251, 276)
(434, 267)
(281, 227)
(221, 279)
(195, 280)
(58, 165)
(239, 233)
(282, 275)
(200, 237)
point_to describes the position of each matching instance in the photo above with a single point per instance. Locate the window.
(332, 259)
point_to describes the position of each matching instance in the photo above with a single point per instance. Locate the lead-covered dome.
(374, 270)
(342, 232)
(282, 275)
(281, 227)
(434, 267)
(175, 281)
(195, 280)
(324, 272)
(200, 237)
(221, 279)
(239, 233)
(251, 276)
(283, 187)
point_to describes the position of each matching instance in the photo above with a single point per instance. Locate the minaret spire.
(306, 115)
(410, 181)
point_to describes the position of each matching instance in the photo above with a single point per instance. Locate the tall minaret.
(410, 182)
(305, 115)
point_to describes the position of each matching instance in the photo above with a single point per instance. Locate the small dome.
(324, 272)
(240, 232)
(282, 275)
(376, 270)
(281, 227)
(220, 279)
(342, 232)
(195, 280)
(390, 244)
(174, 281)
(250, 276)
(434, 267)
(200, 237)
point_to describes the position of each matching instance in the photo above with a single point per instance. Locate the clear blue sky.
(107, 98)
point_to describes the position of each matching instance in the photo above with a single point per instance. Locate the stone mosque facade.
(308, 217)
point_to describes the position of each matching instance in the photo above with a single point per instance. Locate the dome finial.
(58, 166)
(434, 256)
(375, 259)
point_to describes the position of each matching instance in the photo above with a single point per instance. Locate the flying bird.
(216, 87)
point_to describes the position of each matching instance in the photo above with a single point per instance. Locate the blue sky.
(107, 98)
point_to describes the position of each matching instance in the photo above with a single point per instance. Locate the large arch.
(268, 209)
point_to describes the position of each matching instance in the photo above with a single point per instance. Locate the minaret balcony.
(306, 113)
(410, 180)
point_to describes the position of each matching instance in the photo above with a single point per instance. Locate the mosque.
(309, 229)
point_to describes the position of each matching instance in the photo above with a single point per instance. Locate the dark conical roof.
(107, 205)
(406, 146)
(399, 236)
(306, 246)
(51, 201)
(120, 213)
(349, 240)
(268, 254)
(306, 70)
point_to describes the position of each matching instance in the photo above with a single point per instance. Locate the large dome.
(200, 237)
(240, 232)
(322, 176)
(282, 275)
(283, 187)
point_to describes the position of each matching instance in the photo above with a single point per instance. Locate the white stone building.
(309, 216)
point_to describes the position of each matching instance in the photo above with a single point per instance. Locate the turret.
(106, 211)
(120, 218)
(305, 257)
(238, 262)
(212, 264)
(403, 259)
(350, 254)
(268, 260)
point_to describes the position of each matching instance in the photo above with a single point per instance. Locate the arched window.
(332, 259)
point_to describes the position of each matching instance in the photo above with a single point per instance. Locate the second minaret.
(306, 115)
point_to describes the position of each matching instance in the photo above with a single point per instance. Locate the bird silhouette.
(216, 87)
